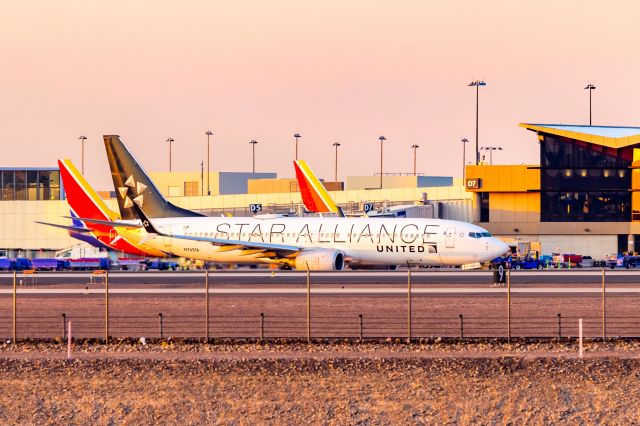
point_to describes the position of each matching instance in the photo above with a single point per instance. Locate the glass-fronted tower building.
(583, 197)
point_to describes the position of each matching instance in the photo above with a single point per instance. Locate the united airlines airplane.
(313, 243)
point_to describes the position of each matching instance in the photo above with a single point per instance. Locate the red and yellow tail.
(82, 198)
(314, 195)
(85, 202)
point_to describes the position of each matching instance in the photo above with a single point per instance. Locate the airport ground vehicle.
(140, 264)
(19, 264)
(527, 263)
(588, 262)
(162, 265)
(505, 262)
(623, 262)
(49, 264)
(88, 264)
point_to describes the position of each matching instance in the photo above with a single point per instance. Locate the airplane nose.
(499, 247)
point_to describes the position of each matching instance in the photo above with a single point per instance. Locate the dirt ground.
(371, 391)
(438, 383)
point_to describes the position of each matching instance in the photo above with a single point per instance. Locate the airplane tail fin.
(82, 198)
(314, 195)
(132, 184)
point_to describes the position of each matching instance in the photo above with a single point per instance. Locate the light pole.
(208, 133)
(170, 140)
(297, 136)
(82, 139)
(477, 85)
(590, 87)
(464, 141)
(491, 149)
(253, 150)
(201, 178)
(415, 149)
(335, 175)
(382, 139)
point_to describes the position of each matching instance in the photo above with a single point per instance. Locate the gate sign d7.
(474, 183)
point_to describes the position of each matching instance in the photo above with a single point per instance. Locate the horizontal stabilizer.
(67, 227)
(109, 223)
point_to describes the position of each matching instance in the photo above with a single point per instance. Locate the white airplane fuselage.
(384, 241)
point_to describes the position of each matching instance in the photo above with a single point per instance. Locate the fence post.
(106, 306)
(206, 286)
(261, 326)
(360, 321)
(461, 327)
(308, 304)
(161, 330)
(64, 327)
(509, 305)
(580, 349)
(69, 338)
(408, 304)
(15, 304)
(604, 307)
(559, 327)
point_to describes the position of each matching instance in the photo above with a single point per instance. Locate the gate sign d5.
(255, 208)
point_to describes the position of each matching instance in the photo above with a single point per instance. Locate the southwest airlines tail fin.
(314, 195)
(82, 198)
(133, 185)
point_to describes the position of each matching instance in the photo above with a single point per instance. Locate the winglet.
(314, 195)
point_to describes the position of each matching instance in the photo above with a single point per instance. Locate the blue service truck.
(527, 263)
(19, 264)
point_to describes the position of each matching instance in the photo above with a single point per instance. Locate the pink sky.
(331, 70)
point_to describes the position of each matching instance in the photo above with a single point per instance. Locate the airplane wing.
(282, 249)
(240, 245)
(67, 227)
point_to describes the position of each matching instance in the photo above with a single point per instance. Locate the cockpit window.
(479, 234)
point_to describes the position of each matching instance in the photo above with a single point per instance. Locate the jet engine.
(320, 260)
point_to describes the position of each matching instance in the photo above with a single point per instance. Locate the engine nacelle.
(320, 260)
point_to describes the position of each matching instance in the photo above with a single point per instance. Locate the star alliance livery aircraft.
(314, 243)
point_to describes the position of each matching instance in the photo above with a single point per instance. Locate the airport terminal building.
(231, 194)
(583, 197)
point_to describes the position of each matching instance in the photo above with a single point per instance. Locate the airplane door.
(167, 240)
(450, 237)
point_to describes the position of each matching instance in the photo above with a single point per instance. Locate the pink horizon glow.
(331, 70)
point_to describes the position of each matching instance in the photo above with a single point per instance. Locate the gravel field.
(334, 383)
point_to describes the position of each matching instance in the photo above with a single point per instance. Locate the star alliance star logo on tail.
(131, 184)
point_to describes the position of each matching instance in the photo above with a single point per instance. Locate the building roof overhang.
(610, 136)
